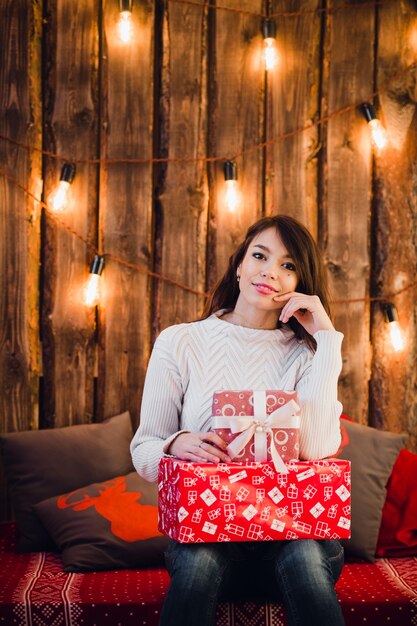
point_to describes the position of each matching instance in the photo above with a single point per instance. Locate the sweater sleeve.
(317, 392)
(160, 410)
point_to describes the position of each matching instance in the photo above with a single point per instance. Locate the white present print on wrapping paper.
(343, 493)
(317, 510)
(186, 534)
(196, 516)
(297, 509)
(214, 482)
(234, 529)
(258, 480)
(280, 512)
(255, 532)
(189, 482)
(223, 537)
(302, 527)
(332, 512)
(225, 494)
(209, 528)
(278, 525)
(326, 478)
(242, 494)
(292, 492)
(322, 530)
(328, 492)
(343, 522)
(192, 497)
(200, 472)
(282, 480)
(276, 495)
(208, 497)
(239, 476)
(260, 495)
(182, 514)
(268, 471)
(229, 511)
(291, 535)
(249, 512)
(346, 510)
(265, 513)
(309, 492)
(308, 473)
(214, 514)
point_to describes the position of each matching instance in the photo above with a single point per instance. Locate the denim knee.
(196, 565)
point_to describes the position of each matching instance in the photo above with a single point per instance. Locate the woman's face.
(266, 271)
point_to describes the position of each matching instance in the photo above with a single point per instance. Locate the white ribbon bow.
(257, 426)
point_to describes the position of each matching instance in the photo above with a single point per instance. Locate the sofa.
(84, 548)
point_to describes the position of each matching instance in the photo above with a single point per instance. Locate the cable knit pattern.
(189, 362)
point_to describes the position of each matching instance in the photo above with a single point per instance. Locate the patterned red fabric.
(35, 591)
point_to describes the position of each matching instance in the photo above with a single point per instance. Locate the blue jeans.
(300, 573)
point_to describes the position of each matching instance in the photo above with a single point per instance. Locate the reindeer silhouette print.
(129, 519)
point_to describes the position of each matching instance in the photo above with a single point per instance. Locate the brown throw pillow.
(106, 526)
(372, 453)
(44, 463)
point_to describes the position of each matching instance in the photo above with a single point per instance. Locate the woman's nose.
(269, 273)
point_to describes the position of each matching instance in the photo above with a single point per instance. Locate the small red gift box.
(252, 502)
(258, 425)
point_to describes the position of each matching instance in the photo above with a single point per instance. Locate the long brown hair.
(301, 247)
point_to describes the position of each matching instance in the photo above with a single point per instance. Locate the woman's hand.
(307, 310)
(200, 447)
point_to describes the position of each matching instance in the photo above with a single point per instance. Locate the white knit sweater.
(189, 362)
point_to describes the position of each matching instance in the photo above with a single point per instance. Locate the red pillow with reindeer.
(106, 526)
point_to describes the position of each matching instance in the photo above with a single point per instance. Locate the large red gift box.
(209, 502)
(258, 425)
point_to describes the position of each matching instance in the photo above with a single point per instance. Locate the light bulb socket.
(368, 111)
(390, 312)
(230, 170)
(97, 265)
(125, 5)
(269, 29)
(67, 172)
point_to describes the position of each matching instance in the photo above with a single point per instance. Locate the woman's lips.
(264, 289)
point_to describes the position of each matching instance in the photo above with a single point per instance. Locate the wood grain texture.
(293, 103)
(182, 193)
(394, 375)
(125, 210)
(70, 130)
(346, 179)
(236, 123)
(20, 119)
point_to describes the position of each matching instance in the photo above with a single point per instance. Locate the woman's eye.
(289, 266)
(258, 255)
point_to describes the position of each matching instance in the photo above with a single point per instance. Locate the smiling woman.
(266, 326)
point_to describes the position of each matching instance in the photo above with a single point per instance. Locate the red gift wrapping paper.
(250, 420)
(210, 502)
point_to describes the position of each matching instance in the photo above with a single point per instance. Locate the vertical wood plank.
(182, 193)
(70, 129)
(293, 103)
(236, 123)
(346, 184)
(20, 119)
(125, 210)
(394, 376)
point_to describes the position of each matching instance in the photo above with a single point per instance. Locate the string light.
(378, 132)
(125, 23)
(270, 45)
(232, 194)
(58, 199)
(391, 318)
(92, 288)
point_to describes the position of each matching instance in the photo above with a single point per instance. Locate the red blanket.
(35, 591)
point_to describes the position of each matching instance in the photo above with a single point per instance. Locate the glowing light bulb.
(58, 199)
(391, 317)
(396, 336)
(125, 23)
(271, 56)
(379, 135)
(92, 288)
(232, 193)
(125, 26)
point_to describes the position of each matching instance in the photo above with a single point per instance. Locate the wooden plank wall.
(150, 125)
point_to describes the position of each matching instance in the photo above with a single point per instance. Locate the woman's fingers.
(207, 447)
